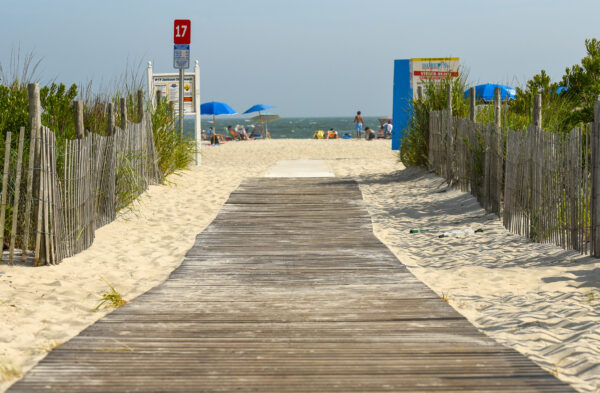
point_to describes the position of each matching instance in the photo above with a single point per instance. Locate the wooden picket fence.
(538, 182)
(56, 211)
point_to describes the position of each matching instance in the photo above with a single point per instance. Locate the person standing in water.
(359, 123)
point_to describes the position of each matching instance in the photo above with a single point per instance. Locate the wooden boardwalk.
(287, 290)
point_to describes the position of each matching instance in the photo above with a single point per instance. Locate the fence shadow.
(539, 183)
(585, 278)
(462, 209)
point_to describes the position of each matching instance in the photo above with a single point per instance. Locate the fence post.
(123, 107)
(420, 93)
(16, 201)
(35, 114)
(140, 105)
(499, 150)
(158, 98)
(449, 100)
(497, 110)
(596, 180)
(110, 128)
(5, 174)
(172, 109)
(79, 127)
(537, 111)
(450, 139)
(472, 104)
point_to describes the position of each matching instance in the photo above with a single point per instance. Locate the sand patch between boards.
(300, 168)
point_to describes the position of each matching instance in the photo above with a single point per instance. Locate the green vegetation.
(415, 143)
(173, 152)
(561, 112)
(112, 298)
(445, 296)
(583, 82)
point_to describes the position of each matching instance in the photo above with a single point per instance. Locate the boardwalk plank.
(287, 290)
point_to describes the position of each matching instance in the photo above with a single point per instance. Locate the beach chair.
(256, 134)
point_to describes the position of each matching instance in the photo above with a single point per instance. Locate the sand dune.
(539, 299)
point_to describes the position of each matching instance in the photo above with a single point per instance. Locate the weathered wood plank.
(284, 294)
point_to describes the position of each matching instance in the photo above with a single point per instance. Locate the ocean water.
(289, 127)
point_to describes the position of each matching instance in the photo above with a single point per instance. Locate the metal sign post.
(181, 102)
(182, 90)
(181, 57)
(197, 124)
(168, 85)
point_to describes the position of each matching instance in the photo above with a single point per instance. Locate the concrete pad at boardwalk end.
(300, 168)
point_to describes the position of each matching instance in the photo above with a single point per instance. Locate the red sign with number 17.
(181, 32)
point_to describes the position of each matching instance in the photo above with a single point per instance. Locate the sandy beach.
(539, 299)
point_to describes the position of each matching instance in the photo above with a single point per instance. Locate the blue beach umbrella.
(216, 108)
(259, 108)
(486, 92)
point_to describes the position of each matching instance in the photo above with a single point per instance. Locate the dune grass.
(110, 299)
(9, 372)
(173, 152)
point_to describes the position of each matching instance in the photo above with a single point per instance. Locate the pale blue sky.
(309, 58)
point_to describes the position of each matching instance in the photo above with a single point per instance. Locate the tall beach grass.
(173, 152)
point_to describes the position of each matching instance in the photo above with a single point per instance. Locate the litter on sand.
(449, 233)
(460, 232)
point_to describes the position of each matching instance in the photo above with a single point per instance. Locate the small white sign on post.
(168, 85)
(181, 56)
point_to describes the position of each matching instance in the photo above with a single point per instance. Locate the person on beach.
(359, 124)
(332, 134)
(369, 134)
(381, 133)
(241, 130)
(215, 138)
(388, 129)
(319, 135)
(234, 135)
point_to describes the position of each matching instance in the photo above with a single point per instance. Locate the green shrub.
(14, 107)
(414, 149)
(173, 151)
(560, 112)
(57, 104)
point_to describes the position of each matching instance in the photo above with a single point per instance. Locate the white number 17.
(182, 34)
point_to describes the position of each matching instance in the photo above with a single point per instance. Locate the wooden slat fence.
(539, 182)
(548, 186)
(75, 199)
